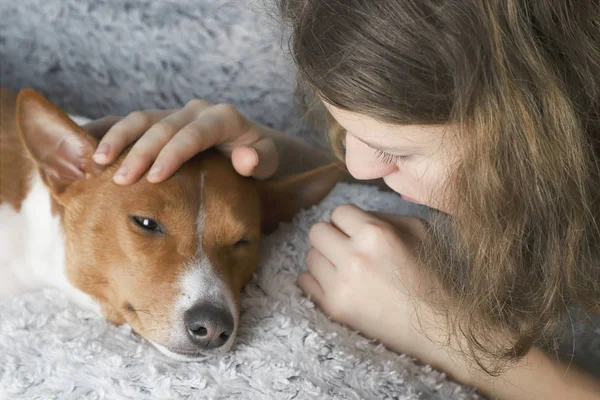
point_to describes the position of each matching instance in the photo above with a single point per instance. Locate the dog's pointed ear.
(282, 198)
(61, 149)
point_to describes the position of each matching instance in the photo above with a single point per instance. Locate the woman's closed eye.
(388, 158)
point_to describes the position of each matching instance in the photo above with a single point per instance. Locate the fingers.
(330, 242)
(195, 137)
(167, 139)
(124, 132)
(99, 127)
(309, 285)
(350, 219)
(319, 266)
(245, 160)
(148, 148)
(260, 160)
(403, 224)
(251, 153)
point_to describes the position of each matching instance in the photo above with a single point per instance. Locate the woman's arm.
(298, 156)
(295, 155)
(536, 376)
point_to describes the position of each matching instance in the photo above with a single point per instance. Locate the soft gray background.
(111, 57)
(94, 58)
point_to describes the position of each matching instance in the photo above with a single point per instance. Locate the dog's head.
(171, 258)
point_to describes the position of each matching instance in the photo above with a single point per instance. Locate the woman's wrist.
(295, 155)
(536, 376)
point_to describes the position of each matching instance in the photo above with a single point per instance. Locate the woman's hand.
(165, 139)
(363, 273)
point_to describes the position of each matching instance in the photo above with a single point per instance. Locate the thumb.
(259, 160)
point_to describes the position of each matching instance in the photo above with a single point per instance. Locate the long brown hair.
(520, 79)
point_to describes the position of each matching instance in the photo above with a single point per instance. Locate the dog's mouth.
(192, 355)
(181, 355)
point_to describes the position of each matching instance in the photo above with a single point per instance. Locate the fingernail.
(101, 151)
(155, 172)
(120, 175)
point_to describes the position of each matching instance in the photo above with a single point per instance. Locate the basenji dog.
(170, 259)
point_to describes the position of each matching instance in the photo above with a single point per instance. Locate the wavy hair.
(520, 79)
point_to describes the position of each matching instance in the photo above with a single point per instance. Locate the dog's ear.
(282, 198)
(60, 148)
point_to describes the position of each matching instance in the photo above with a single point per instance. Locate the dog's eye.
(146, 223)
(242, 242)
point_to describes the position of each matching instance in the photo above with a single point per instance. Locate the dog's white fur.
(32, 249)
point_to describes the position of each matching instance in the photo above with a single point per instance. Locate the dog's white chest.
(31, 242)
(32, 246)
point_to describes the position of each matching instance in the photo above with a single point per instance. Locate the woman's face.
(413, 160)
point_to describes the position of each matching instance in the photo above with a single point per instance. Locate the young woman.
(487, 111)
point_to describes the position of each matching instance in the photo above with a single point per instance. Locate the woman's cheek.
(402, 184)
(414, 180)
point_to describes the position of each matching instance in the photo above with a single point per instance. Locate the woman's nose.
(362, 161)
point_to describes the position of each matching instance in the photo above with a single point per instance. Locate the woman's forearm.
(296, 156)
(537, 376)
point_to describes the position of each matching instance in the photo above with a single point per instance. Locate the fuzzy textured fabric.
(101, 57)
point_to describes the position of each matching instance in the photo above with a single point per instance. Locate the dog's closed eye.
(243, 242)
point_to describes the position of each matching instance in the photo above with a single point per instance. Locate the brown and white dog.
(170, 259)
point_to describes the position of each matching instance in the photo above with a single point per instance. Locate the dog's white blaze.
(32, 253)
(201, 283)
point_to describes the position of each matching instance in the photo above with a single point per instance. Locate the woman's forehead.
(385, 136)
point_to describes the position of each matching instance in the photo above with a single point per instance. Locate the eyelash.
(388, 158)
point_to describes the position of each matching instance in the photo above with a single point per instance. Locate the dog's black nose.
(209, 326)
